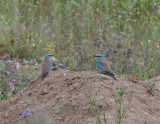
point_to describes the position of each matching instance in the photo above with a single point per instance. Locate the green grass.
(126, 32)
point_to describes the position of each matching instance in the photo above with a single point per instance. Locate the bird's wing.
(105, 64)
(45, 67)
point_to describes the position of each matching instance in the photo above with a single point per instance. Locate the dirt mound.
(64, 95)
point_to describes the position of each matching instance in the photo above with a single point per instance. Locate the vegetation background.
(126, 32)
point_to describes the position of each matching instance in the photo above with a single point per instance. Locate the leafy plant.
(38, 117)
(14, 78)
(150, 88)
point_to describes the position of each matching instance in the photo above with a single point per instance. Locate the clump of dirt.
(64, 95)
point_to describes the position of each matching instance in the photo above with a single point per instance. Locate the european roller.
(47, 65)
(103, 66)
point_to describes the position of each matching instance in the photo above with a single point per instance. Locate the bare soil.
(64, 95)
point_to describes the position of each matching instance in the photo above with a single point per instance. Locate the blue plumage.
(47, 65)
(103, 66)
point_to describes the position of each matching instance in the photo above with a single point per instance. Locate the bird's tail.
(110, 74)
(44, 76)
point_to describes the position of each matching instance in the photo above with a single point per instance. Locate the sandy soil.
(64, 96)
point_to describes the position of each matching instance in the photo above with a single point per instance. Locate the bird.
(47, 65)
(103, 66)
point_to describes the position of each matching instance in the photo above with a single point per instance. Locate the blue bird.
(103, 66)
(47, 65)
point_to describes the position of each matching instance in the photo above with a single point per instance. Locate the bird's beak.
(96, 56)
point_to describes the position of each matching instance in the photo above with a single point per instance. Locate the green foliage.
(94, 106)
(14, 78)
(119, 108)
(72, 27)
(150, 88)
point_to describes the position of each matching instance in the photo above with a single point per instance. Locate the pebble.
(33, 62)
(61, 66)
(25, 62)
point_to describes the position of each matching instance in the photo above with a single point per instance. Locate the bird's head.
(48, 56)
(99, 57)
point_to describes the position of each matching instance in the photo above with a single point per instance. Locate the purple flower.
(8, 73)
(114, 1)
(19, 81)
(25, 9)
(13, 80)
(119, 16)
(11, 86)
(156, 12)
(9, 61)
(18, 78)
(29, 78)
(17, 38)
(15, 73)
(154, 6)
(17, 65)
(27, 113)
(13, 70)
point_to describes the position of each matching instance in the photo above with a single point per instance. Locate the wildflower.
(29, 78)
(149, 41)
(17, 65)
(40, 41)
(9, 61)
(17, 38)
(157, 46)
(15, 60)
(152, 59)
(8, 73)
(19, 81)
(13, 80)
(97, 9)
(11, 86)
(18, 78)
(27, 113)
(33, 45)
(156, 12)
(13, 70)
(15, 73)
(119, 16)
(152, 69)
